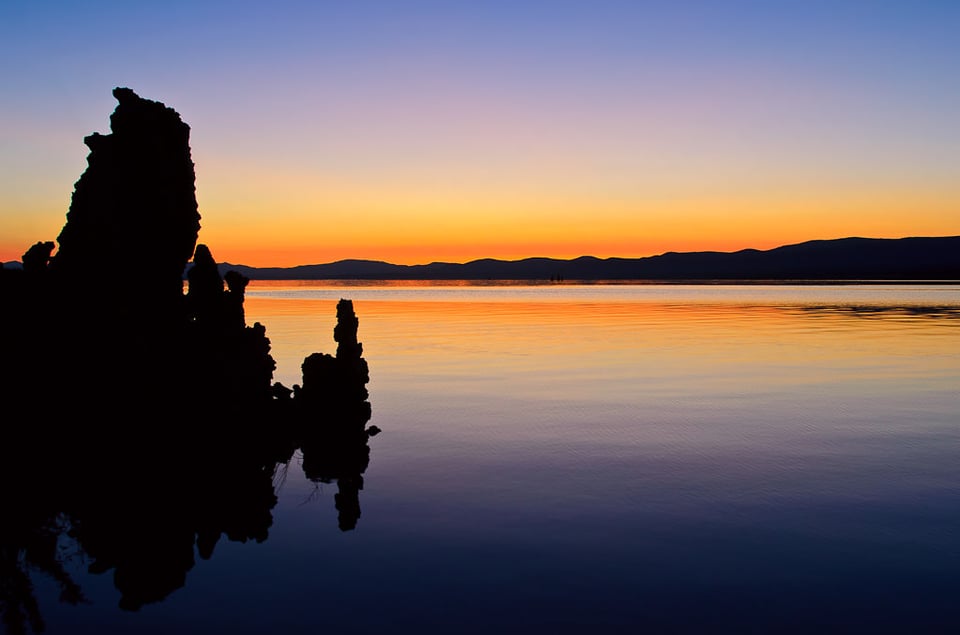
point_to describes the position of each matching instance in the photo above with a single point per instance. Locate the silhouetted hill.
(936, 258)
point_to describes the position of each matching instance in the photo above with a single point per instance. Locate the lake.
(624, 458)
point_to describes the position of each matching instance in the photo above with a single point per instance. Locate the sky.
(423, 131)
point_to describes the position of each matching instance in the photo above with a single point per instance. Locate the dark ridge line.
(918, 259)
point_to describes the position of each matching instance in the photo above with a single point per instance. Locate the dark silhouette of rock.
(37, 257)
(136, 200)
(233, 305)
(207, 303)
(333, 395)
(205, 294)
(154, 409)
(136, 203)
(341, 379)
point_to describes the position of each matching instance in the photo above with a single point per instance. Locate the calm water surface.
(622, 458)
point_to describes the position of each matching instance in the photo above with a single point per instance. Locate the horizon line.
(525, 258)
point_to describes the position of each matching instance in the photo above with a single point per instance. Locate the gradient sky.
(422, 131)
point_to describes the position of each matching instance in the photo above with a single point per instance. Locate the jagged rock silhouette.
(136, 199)
(112, 296)
(110, 368)
(339, 379)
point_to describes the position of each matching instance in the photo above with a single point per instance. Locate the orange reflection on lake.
(661, 349)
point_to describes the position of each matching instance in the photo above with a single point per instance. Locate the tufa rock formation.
(153, 411)
(342, 378)
(136, 200)
(90, 323)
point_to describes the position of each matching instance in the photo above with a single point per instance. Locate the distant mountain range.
(933, 258)
(936, 258)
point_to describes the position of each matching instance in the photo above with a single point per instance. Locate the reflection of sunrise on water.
(667, 443)
(636, 354)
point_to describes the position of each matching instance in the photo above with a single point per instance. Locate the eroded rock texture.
(330, 380)
(103, 322)
(142, 421)
(133, 217)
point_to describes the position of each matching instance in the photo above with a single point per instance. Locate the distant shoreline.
(861, 260)
(919, 260)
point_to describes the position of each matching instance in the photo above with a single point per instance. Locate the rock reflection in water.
(143, 512)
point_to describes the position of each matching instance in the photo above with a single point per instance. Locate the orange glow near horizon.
(275, 220)
(290, 217)
(508, 131)
(558, 229)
